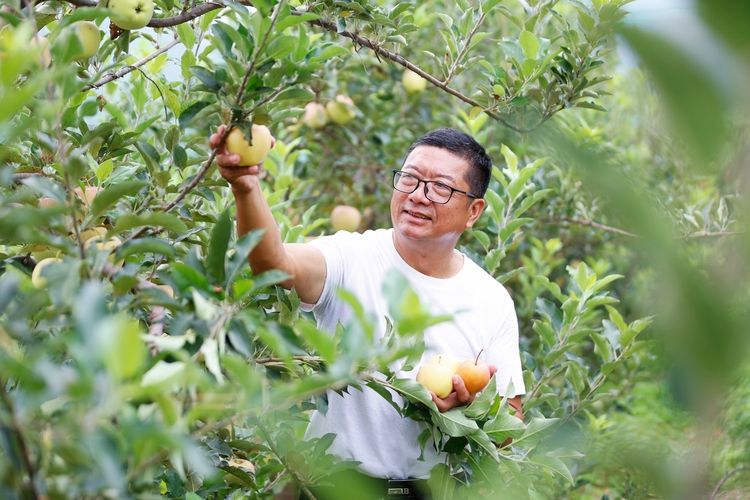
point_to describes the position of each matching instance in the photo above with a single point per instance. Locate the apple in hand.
(475, 374)
(436, 377)
(446, 359)
(412, 82)
(131, 14)
(90, 38)
(250, 154)
(345, 218)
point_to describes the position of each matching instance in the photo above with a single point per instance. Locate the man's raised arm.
(305, 263)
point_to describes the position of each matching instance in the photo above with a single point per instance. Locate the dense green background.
(616, 218)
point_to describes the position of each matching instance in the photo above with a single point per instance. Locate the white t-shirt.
(368, 428)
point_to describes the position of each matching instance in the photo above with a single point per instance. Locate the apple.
(315, 115)
(474, 373)
(41, 44)
(412, 82)
(97, 232)
(88, 195)
(345, 218)
(47, 202)
(446, 359)
(131, 14)
(88, 34)
(436, 377)
(250, 154)
(341, 110)
(37, 279)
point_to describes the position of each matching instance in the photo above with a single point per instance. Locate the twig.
(465, 49)
(591, 223)
(24, 448)
(725, 478)
(127, 69)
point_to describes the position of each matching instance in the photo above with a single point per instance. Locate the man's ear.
(475, 210)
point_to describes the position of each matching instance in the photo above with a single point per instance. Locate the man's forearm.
(254, 213)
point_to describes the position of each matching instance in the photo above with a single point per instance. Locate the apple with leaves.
(131, 14)
(250, 154)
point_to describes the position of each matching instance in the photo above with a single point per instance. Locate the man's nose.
(421, 193)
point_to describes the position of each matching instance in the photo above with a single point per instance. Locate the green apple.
(315, 115)
(345, 218)
(412, 82)
(131, 14)
(436, 377)
(341, 110)
(475, 374)
(90, 37)
(250, 154)
(37, 279)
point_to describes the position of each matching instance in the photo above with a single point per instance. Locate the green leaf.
(454, 423)
(483, 440)
(296, 93)
(187, 115)
(555, 465)
(281, 46)
(113, 194)
(414, 391)
(155, 219)
(537, 429)
(529, 44)
(504, 426)
(144, 245)
(291, 20)
(217, 247)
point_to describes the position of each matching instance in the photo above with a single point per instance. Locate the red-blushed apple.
(446, 359)
(47, 202)
(475, 374)
(412, 82)
(345, 218)
(250, 154)
(436, 377)
(315, 115)
(87, 196)
(131, 14)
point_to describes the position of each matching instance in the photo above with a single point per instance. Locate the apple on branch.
(131, 14)
(316, 115)
(341, 110)
(412, 82)
(345, 218)
(90, 38)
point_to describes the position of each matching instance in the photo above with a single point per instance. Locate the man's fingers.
(462, 393)
(493, 370)
(228, 160)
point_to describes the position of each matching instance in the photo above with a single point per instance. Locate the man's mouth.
(417, 215)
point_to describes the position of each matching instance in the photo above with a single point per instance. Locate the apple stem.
(476, 361)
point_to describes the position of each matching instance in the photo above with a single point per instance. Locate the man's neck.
(437, 259)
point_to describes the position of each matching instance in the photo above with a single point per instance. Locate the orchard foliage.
(150, 362)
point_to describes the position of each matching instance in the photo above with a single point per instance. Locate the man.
(438, 193)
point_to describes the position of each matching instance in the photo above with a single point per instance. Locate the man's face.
(416, 217)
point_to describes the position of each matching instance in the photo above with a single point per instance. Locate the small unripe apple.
(315, 115)
(341, 110)
(412, 82)
(250, 154)
(131, 14)
(446, 359)
(37, 279)
(436, 377)
(90, 37)
(474, 373)
(345, 218)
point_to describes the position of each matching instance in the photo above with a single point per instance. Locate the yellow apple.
(315, 115)
(168, 290)
(412, 82)
(475, 374)
(345, 218)
(37, 279)
(250, 154)
(131, 14)
(446, 359)
(90, 37)
(436, 377)
(341, 110)
(97, 232)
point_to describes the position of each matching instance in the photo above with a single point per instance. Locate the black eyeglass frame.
(426, 189)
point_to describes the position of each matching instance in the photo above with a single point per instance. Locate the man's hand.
(242, 179)
(460, 395)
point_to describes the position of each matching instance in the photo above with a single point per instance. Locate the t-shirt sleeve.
(334, 248)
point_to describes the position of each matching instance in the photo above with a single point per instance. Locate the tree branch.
(127, 69)
(725, 478)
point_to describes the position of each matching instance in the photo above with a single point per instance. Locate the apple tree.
(143, 359)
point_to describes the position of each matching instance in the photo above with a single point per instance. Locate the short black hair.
(466, 147)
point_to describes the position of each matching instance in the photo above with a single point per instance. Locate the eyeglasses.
(435, 191)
